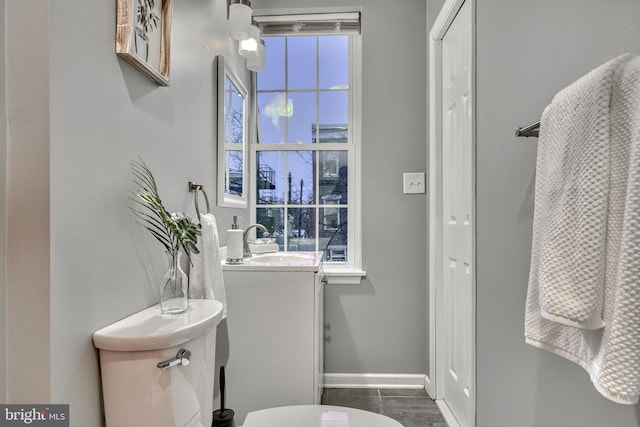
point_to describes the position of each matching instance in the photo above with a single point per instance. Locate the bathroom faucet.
(246, 251)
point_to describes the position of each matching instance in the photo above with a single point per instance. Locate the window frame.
(350, 272)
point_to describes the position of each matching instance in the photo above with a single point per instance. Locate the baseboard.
(400, 381)
(428, 387)
(447, 414)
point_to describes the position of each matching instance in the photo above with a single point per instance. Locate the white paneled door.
(455, 335)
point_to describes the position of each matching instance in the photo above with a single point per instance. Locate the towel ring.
(194, 188)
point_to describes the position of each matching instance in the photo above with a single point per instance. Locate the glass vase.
(173, 290)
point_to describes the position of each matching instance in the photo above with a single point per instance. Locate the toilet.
(157, 369)
(317, 415)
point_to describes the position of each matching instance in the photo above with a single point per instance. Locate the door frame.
(436, 316)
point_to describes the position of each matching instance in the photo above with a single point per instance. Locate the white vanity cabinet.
(274, 352)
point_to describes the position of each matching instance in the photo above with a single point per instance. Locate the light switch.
(414, 183)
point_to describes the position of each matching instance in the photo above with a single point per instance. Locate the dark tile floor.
(411, 408)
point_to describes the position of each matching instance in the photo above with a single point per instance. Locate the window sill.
(343, 275)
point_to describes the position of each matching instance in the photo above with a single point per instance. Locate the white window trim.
(353, 272)
(343, 275)
(335, 10)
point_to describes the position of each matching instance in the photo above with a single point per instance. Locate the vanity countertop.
(279, 261)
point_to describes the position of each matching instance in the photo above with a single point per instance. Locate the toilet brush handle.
(222, 387)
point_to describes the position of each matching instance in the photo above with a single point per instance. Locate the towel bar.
(530, 130)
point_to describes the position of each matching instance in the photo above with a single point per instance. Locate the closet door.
(457, 220)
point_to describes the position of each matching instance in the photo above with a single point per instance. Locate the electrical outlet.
(414, 183)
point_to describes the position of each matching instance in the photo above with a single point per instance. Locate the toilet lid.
(149, 329)
(317, 416)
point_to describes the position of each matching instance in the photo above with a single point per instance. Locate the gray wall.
(27, 201)
(92, 113)
(3, 216)
(379, 326)
(526, 52)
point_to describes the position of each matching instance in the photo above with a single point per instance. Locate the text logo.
(34, 415)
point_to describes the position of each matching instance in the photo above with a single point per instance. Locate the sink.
(279, 261)
(283, 258)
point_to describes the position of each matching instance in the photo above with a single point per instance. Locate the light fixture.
(257, 63)
(240, 19)
(249, 47)
(285, 109)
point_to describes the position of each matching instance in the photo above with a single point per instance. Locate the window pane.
(234, 111)
(233, 172)
(333, 233)
(334, 116)
(273, 219)
(270, 177)
(302, 62)
(332, 133)
(333, 177)
(273, 76)
(301, 229)
(272, 109)
(300, 178)
(334, 62)
(303, 118)
(304, 98)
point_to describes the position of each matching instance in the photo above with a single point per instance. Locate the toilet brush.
(222, 417)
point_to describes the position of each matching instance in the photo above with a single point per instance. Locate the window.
(306, 158)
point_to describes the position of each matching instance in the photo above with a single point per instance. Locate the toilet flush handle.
(182, 358)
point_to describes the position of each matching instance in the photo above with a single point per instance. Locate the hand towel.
(611, 355)
(572, 187)
(206, 280)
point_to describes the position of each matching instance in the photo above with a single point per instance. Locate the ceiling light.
(240, 19)
(249, 47)
(257, 63)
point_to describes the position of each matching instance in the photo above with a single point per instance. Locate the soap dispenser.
(234, 243)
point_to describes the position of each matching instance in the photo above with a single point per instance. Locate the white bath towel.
(572, 188)
(205, 275)
(611, 355)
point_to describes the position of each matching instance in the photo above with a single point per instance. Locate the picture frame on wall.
(143, 36)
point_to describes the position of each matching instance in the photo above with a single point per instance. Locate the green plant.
(172, 230)
(147, 18)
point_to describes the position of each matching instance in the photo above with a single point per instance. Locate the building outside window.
(306, 156)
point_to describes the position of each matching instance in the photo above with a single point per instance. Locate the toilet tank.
(136, 391)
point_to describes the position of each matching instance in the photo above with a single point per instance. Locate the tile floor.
(411, 408)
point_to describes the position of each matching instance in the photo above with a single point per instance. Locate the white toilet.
(158, 370)
(317, 415)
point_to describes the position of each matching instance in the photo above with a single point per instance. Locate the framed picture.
(143, 36)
